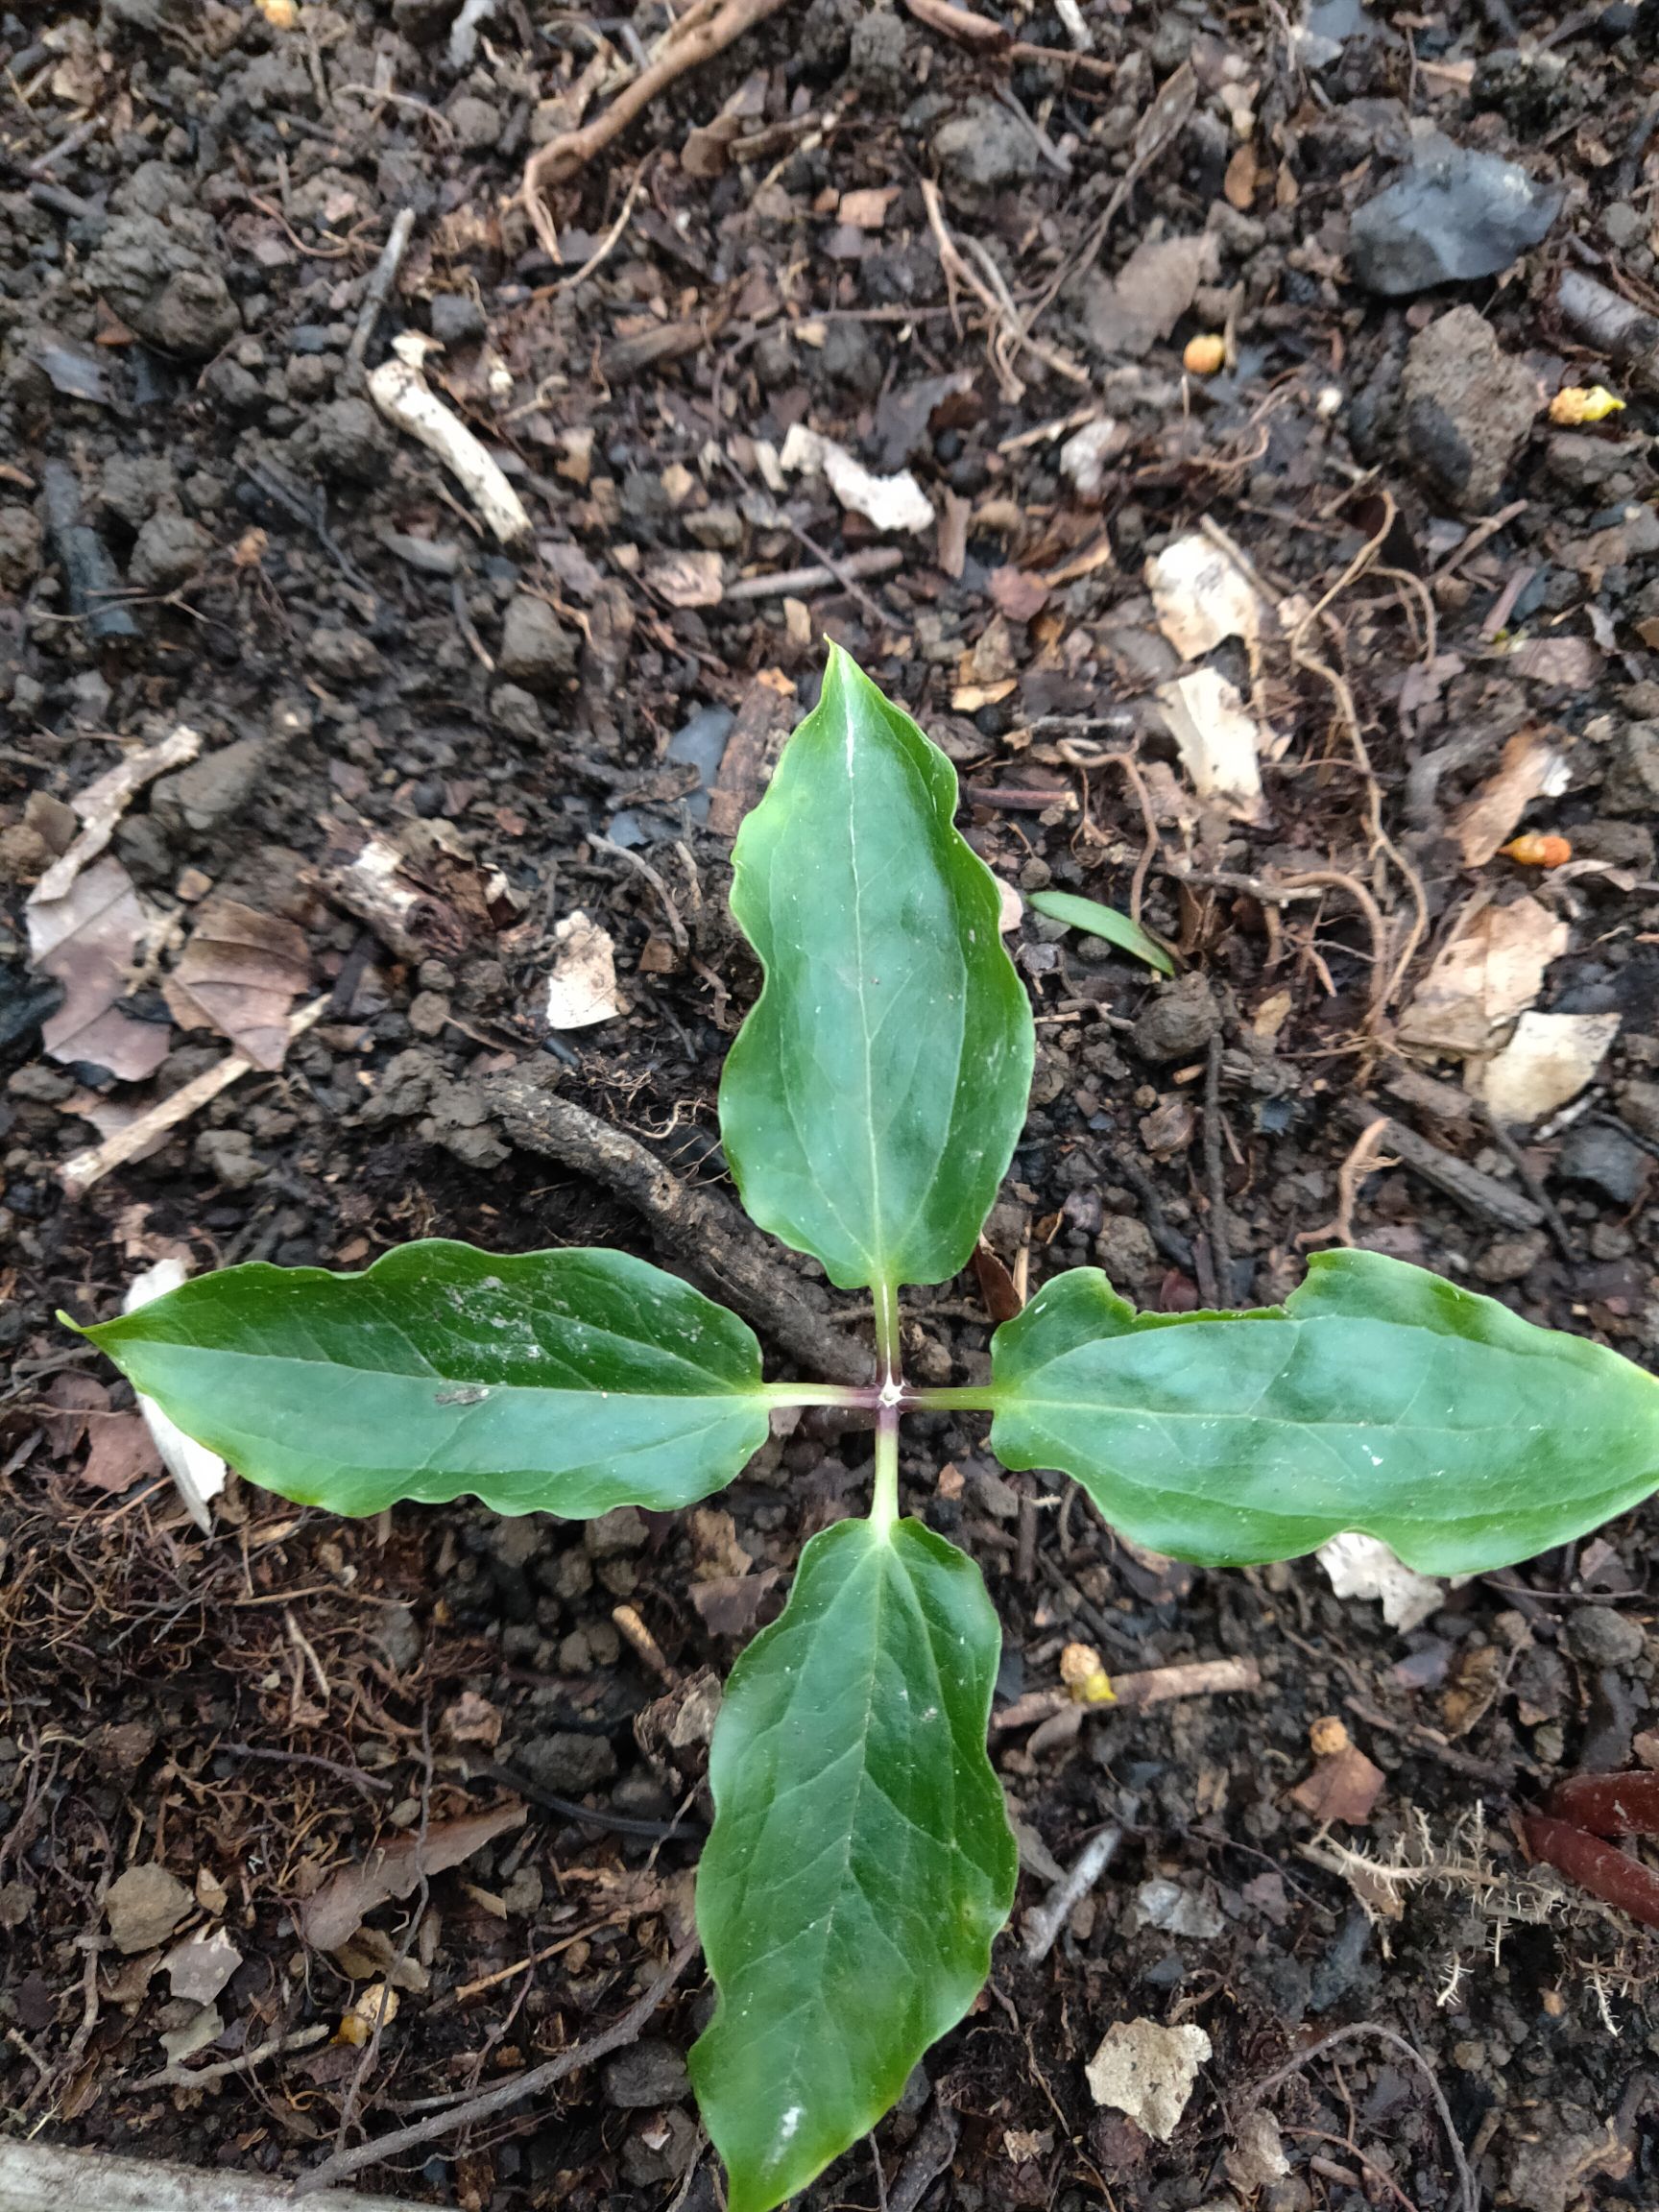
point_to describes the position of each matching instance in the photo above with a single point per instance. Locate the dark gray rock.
(1584, 462)
(537, 650)
(1179, 1022)
(984, 147)
(1466, 409)
(1603, 1638)
(566, 1763)
(518, 712)
(135, 485)
(211, 789)
(1508, 1259)
(456, 317)
(1452, 217)
(353, 442)
(166, 280)
(228, 1155)
(476, 123)
(1125, 1252)
(1632, 785)
(875, 54)
(1639, 1107)
(650, 2073)
(20, 537)
(1604, 1160)
(170, 550)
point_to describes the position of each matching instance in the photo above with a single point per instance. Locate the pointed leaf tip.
(871, 1104)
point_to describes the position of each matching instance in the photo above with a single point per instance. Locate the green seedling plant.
(860, 1862)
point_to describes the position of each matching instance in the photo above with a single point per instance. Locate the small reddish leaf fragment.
(1602, 1868)
(121, 1453)
(1344, 1786)
(1001, 1300)
(1018, 594)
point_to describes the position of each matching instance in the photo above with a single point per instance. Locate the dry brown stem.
(706, 29)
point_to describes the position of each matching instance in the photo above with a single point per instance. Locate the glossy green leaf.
(871, 1104)
(860, 1861)
(1378, 1398)
(1102, 922)
(549, 1382)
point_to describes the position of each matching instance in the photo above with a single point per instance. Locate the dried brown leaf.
(1532, 767)
(121, 1451)
(88, 941)
(240, 973)
(396, 1869)
(1345, 1787)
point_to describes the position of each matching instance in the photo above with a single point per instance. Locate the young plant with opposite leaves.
(860, 1862)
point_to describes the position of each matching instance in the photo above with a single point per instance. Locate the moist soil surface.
(423, 751)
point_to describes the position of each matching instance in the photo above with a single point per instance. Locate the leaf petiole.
(884, 1500)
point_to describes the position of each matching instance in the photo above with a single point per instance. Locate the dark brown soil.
(253, 1710)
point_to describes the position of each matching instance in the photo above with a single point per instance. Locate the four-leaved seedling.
(860, 1863)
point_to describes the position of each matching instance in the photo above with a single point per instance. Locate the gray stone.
(165, 279)
(984, 147)
(1632, 785)
(567, 1763)
(1604, 1160)
(1577, 458)
(144, 1905)
(537, 650)
(1603, 1638)
(1639, 1107)
(353, 442)
(719, 528)
(398, 1635)
(1125, 1252)
(476, 123)
(1179, 1022)
(518, 712)
(611, 1535)
(1452, 217)
(649, 2073)
(170, 550)
(228, 1155)
(1624, 844)
(1621, 223)
(211, 789)
(460, 1122)
(456, 317)
(875, 53)
(135, 485)
(346, 655)
(19, 547)
(1466, 409)
(1508, 1259)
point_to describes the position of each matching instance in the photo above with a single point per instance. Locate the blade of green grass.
(1103, 921)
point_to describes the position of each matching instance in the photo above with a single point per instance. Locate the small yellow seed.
(1205, 356)
(1087, 1682)
(1327, 1737)
(1531, 850)
(280, 14)
(1576, 403)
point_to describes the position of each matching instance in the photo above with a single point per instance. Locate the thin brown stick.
(1215, 1188)
(1466, 2182)
(506, 2093)
(1362, 1161)
(705, 30)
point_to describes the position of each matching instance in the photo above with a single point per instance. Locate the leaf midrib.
(712, 1386)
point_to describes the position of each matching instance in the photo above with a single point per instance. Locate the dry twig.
(706, 29)
(506, 2093)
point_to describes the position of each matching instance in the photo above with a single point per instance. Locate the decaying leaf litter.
(936, 248)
